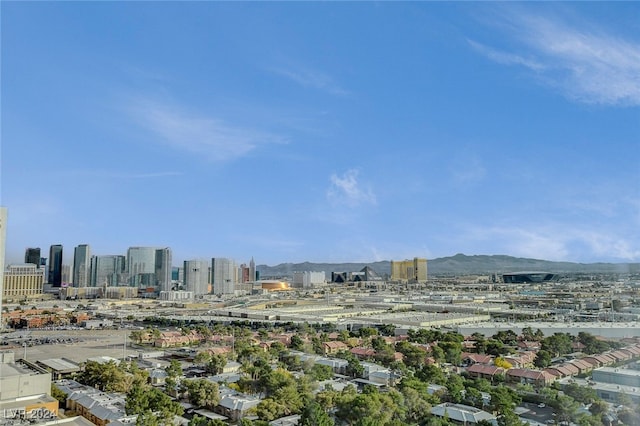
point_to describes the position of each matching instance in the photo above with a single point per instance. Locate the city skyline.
(323, 132)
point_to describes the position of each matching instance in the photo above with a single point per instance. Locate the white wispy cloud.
(506, 58)
(347, 190)
(311, 78)
(197, 133)
(588, 64)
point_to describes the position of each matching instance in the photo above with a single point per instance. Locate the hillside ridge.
(457, 265)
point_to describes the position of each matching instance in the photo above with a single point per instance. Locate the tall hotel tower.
(163, 269)
(149, 267)
(81, 265)
(252, 270)
(196, 276)
(32, 255)
(141, 261)
(223, 275)
(3, 239)
(55, 265)
(108, 271)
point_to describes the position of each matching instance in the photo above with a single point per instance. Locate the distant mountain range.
(459, 264)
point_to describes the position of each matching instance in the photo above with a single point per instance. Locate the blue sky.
(303, 131)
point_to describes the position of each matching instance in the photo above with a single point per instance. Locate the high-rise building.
(54, 277)
(3, 241)
(21, 281)
(108, 271)
(223, 275)
(196, 276)
(163, 269)
(308, 279)
(409, 270)
(149, 268)
(140, 261)
(32, 255)
(81, 265)
(252, 270)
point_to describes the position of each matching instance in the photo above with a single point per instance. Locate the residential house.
(331, 348)
(235, 405)
(363, 353)
(463, 414)
(484, 371)
(536, 378)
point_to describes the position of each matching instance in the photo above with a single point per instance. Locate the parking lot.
(76, 345)
(538, 413)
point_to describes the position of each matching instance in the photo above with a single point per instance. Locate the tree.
(495, 347)
(452, 351)
(566, 408)
(387, 329)
(557, 344)
(58, 394)
(417, 408)
(481, 342)
(202, 421)
(268, 409)
(109, 376)
(437, 353)
(539, 335)
(503, 399)
(473, 397)
(503, 363)
(146, 399)
(202, 357)
(147, 418)
(455, 388)
(431, 374)
(413, 356)
(296, 343)
(528, 334)
(543, 359)
(507, 337)
(598, 407)
(277, 349)
(216, 364)
(583, 394)
(314, 415)
(365, 332)
(202, 392)
(354, 368)
(509, 418)
(591, 344)
(370, 407)
(174, 369)
(137, 336)
(321, 372)
(327, 398)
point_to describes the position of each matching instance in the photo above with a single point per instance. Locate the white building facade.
(196, 276)
(308, 279)
(223, 275)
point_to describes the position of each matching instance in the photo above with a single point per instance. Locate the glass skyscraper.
(81, 264)
(108, 271)
(55, 265)
(32, 255)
